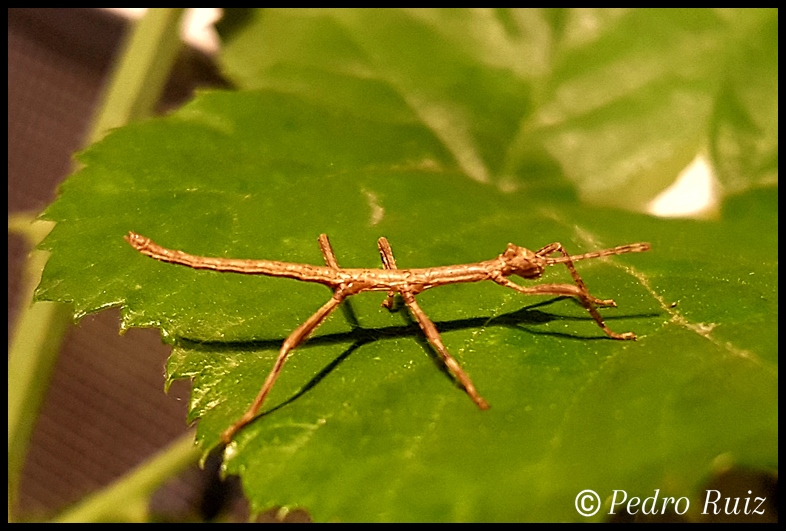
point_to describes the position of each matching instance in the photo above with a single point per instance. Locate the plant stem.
(126, 499)
(141, 72)
(32, 354)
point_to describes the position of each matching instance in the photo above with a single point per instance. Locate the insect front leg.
(429, 328)
(557, 247)
(568, 290)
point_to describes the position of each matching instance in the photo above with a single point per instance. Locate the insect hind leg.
(298, 336)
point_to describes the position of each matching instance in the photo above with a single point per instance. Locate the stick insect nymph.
(407, 283)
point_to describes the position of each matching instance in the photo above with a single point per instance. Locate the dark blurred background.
(105, 411)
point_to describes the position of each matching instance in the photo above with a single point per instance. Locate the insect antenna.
(622, 249)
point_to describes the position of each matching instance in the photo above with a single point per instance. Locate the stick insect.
(407, 283)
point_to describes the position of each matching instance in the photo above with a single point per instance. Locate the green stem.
(32, 353)
(141, 71)
(126, 499)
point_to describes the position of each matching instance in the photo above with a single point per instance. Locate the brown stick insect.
(407, 283)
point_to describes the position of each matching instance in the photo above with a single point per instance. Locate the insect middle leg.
(389, 262)
(429, 328)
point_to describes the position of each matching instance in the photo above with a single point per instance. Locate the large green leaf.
(362, 125)
(619, 100)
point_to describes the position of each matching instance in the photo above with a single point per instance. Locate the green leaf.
(615, 102)
(364, 124)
